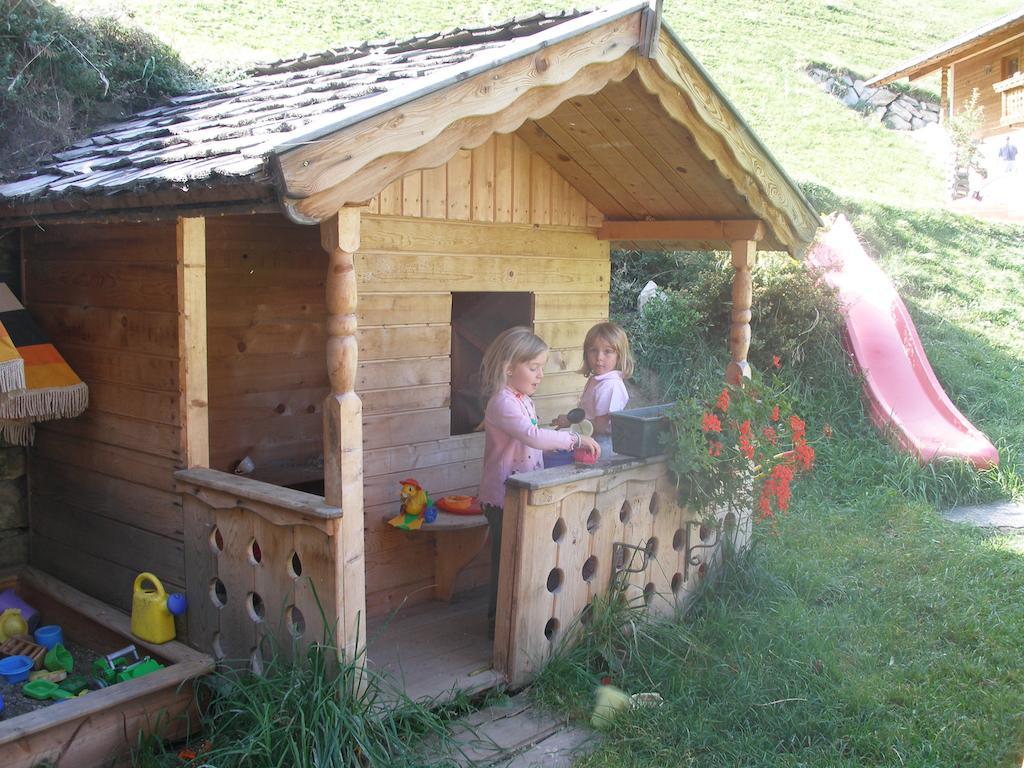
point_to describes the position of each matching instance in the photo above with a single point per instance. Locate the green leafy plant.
(678, 338)
(962, 129)
(740, 451)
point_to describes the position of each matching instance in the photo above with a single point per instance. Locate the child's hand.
(590, 445)
(561, 421)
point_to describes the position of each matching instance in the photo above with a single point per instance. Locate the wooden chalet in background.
(395, 204)
(989, 58)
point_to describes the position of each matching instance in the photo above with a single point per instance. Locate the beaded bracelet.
(576, 440)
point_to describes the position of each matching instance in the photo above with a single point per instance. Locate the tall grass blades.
(307, 709)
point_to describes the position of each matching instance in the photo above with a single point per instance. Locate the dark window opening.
(1011, 66)
(477, 319)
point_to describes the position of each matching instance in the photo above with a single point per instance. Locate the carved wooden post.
(744, 254)
(343, 431)
(944, 97)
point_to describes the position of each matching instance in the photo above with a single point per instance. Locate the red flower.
(776, 362)
(746, 447)
(722, 403)
(751, 461)
(775, 487)
(782, 474)
(804, 456)
(710, 423)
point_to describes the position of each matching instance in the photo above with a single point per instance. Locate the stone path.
(513, 733)
(998, 514)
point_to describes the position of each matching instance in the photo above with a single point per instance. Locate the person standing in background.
(1008, 154)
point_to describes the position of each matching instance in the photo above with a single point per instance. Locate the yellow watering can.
(151, 621)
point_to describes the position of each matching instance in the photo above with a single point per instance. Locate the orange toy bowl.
(459, 505)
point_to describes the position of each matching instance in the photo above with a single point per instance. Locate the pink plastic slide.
(903, 395)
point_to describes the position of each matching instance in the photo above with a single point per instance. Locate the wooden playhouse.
(394, 206)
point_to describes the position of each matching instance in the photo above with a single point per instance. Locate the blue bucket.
(49, 636)
(15, 669)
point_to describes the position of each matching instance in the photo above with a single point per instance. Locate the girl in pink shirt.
(512, 370)
(607, 363)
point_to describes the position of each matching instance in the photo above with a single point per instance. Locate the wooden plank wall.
(496, 218)
(103, 503)
(981, 72)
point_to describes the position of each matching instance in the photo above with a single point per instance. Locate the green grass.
(863, 635)
(63, 75)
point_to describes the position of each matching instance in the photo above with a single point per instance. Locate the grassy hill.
(755, 51)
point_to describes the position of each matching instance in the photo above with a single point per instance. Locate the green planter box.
(637, 432)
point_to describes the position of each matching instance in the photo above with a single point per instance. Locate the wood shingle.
(229, 131)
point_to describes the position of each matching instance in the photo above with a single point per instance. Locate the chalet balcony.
(1012, 92)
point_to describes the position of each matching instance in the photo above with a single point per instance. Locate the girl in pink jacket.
(607, 363)
(512, 370)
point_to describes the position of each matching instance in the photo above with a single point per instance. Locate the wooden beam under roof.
(683, 230)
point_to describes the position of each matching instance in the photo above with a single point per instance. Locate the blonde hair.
(513, 346)
(616, 337)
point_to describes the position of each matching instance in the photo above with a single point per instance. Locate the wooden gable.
(643, 137)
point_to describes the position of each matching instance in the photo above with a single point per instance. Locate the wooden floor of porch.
(435, 650)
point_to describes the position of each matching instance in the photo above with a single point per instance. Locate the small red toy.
(584, 456)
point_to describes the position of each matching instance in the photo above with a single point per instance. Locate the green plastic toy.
(45, 689)
(74, 685)
(123, 665)
(59, 657)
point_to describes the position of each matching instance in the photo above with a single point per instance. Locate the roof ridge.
(517, 26)
(948, 46)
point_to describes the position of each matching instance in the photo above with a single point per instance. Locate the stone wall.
(13, 501)
(896, 110)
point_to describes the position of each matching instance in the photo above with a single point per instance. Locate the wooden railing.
(1012, 92)
(259, 563)
(568, 531)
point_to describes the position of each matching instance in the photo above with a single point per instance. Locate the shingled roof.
(611, 98)
(991, 33)
(225, 134)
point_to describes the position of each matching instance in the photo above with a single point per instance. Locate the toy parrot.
(417, 508)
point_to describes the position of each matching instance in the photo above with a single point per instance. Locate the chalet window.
(477, 319)
(1011, 66)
